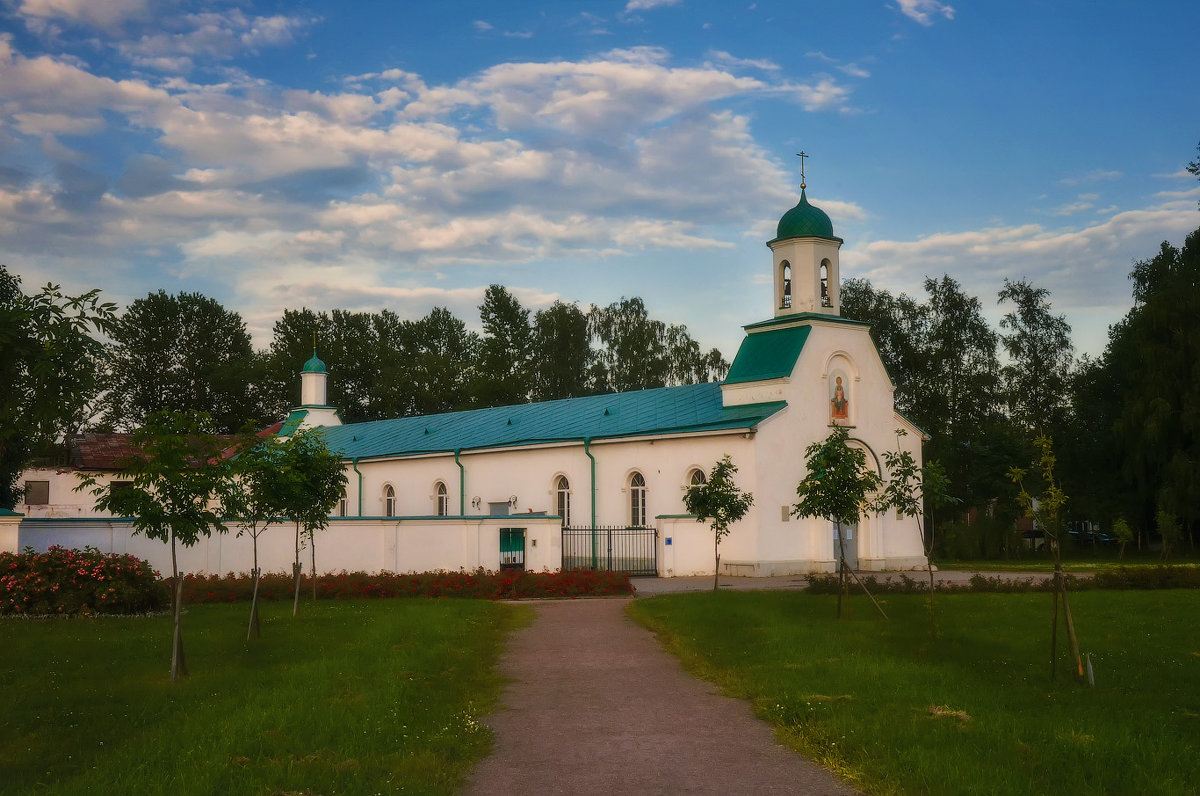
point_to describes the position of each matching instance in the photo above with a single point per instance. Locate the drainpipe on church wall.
(462, 484)
(587, 444)
(354, 464)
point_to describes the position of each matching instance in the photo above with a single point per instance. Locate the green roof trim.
(667, 410)
(8, 513)
(803, 317)
(768, 355)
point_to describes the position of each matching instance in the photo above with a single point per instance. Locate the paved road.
(594, 706)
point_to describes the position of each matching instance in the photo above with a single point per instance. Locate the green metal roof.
(9, 513)
(768, 355)
(805, 221)
(314, 365)
(293, 421)
(690, 408)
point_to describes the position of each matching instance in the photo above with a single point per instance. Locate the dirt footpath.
(594, 706)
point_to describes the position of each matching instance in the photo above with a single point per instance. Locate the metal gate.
(512, 548)
(616, 549)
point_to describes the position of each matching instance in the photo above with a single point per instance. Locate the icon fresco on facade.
(839, 399)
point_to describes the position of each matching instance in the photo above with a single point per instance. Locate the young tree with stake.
(909, 490)
(838, 487)
(179, 484)
(720, 502)
(312, 483)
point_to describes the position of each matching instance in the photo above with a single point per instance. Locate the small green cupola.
(314, 365)
(805, 220)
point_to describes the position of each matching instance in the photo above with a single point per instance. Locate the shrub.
(63, 581)
(477, 584)
(1160, 577)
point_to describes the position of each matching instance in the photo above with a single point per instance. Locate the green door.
(512, 548)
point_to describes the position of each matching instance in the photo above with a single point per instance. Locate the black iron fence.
(612, 548)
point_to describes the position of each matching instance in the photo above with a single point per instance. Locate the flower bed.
(62, 581)
(478, 584)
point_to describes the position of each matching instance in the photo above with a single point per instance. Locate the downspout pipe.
(462, 484)
(587, 444)
(354, 464)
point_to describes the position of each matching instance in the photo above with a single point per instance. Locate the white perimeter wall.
(370, 545)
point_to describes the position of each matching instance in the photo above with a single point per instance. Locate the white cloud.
(1095, 175)
(824, 95)
(733, 62)
(105, 14)
(209, 35)
(923, 11)
(481, 26)
(646, 5)
(1085, 268)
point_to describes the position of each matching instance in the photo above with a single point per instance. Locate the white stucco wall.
(369, 545)
(64, 501)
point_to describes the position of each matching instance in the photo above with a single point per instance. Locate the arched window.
(562, 489)
(637, 500)
(697, 477)
(825, 302)
(389, 501)
(786, 295)
(443, 499)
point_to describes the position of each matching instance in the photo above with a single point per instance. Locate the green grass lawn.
(350, 697)
(974, 711)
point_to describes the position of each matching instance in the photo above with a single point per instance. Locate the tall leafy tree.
(442, 357)
(1153, 355)
(898, 329)
(688, 363)
(1040, 354)
(49, 369)
(503, 375)
(957, 395)
(637, 352)
(562, 362)
(720, 502)
(180, 353)
(177, 488)
(633, 347)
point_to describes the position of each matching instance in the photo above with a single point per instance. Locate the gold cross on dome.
(802, 156)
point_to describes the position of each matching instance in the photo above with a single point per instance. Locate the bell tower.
(805, 260)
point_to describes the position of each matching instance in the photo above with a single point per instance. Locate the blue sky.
(406, 155)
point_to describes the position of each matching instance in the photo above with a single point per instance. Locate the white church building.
(597, 481)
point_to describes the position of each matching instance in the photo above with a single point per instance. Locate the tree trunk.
(841, 556)
(178, 662)
(312, 547)
(929, 569)
(296, 575)
(254, 631)
(1054, 625)
(717, 564)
